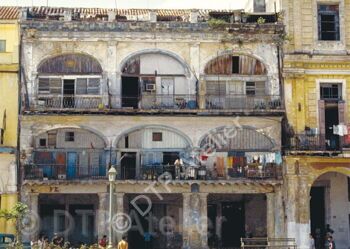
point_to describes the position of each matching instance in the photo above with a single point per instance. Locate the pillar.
(118, 211)
(279, 213)
(303, 224)
(32, 201)
(102, 214)
(195, 220)
(270, 209)
(291, 187)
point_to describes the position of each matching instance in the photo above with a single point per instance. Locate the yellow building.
(317, 95)
(9, 74)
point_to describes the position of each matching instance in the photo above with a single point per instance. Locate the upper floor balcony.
(155, 81)
(151, 154)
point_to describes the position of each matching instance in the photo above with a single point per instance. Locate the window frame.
(69, 136)
(154, 137)
(337, 24)
(5, 45)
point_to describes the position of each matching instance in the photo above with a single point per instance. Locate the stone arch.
(70, 63)
(83, 128)
(244, 52)
(318, 174)
(230, 133)
(141, 127)
(156, 51)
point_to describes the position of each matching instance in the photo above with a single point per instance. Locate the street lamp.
(112, 174)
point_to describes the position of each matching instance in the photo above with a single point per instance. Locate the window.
(69, 136)
(235, 64)
(259, 6)
(126, 141)
(328, 22)
(330, 91)
(2, 45)
(1, 136)
(50, 86)
(255, 88)
(42, 142)
(51, 138)
(88, 86)
(157, 136)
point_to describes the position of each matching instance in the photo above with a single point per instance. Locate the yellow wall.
(9, 65)
(302, 89)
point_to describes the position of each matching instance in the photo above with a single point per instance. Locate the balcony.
(244, 102)
(269, 171)
(69, 102)
(63, 172)
(319, 142)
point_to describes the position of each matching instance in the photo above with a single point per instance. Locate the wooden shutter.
(93, 87)
(341, 112)
(55, 86)
(81, 86)
(44, 86)
(321, 117)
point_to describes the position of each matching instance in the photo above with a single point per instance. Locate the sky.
(155, 4)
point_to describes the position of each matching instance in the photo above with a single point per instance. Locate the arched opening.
(329, 209)
(156, 80)
(67, 153)
(148, 152)
(70, 81)
(236, 81)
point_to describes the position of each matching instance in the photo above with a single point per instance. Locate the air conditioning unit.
(61, 176)
(150, 87)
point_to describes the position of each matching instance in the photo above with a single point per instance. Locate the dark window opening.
(250, 88)
(157, 136)
(1, 136)
(349, 189)
(259, 6)
(130, 92)
(69, 137)
(328, 23)
(51, 139)
(235, 64)
(331, 91)
(126, 141)
(42, 142)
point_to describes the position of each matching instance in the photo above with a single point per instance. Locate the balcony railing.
(159, 102)
(162, 101)
(63, 172)
(244, 102)
(250, 171)
(69, 102)
(319, 142)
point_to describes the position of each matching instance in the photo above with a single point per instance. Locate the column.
(118, 211)
(279, 213)
(32, 201)
(204, 220)
(270, 216)
(195, 222)
(102, 214)
(291, 187)
(303, 222)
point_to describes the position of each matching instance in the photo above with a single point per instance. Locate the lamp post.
(112, 174)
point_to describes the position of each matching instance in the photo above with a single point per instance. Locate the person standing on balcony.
(178, 165)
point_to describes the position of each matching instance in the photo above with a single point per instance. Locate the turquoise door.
(71, 165)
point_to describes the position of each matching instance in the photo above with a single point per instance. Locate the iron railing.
(268, 243)
(62, 172)
(244, 102)
(69, 102)
(156, 172)
(317, 142)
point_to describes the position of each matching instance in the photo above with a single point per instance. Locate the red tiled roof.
(13, 12)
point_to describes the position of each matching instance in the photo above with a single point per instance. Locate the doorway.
(71, 165)
(331, 119)
(317, 214)
(68, 93)
(130, 92)
(233, 226)
(128, 165)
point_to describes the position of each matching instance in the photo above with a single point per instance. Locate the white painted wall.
(338, 209)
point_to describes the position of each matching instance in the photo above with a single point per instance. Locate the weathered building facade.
(9, 72)
(156, 94)
(316, 75)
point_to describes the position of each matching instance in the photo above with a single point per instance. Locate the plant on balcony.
(261, 20)
(16, 214)
(216, 23)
